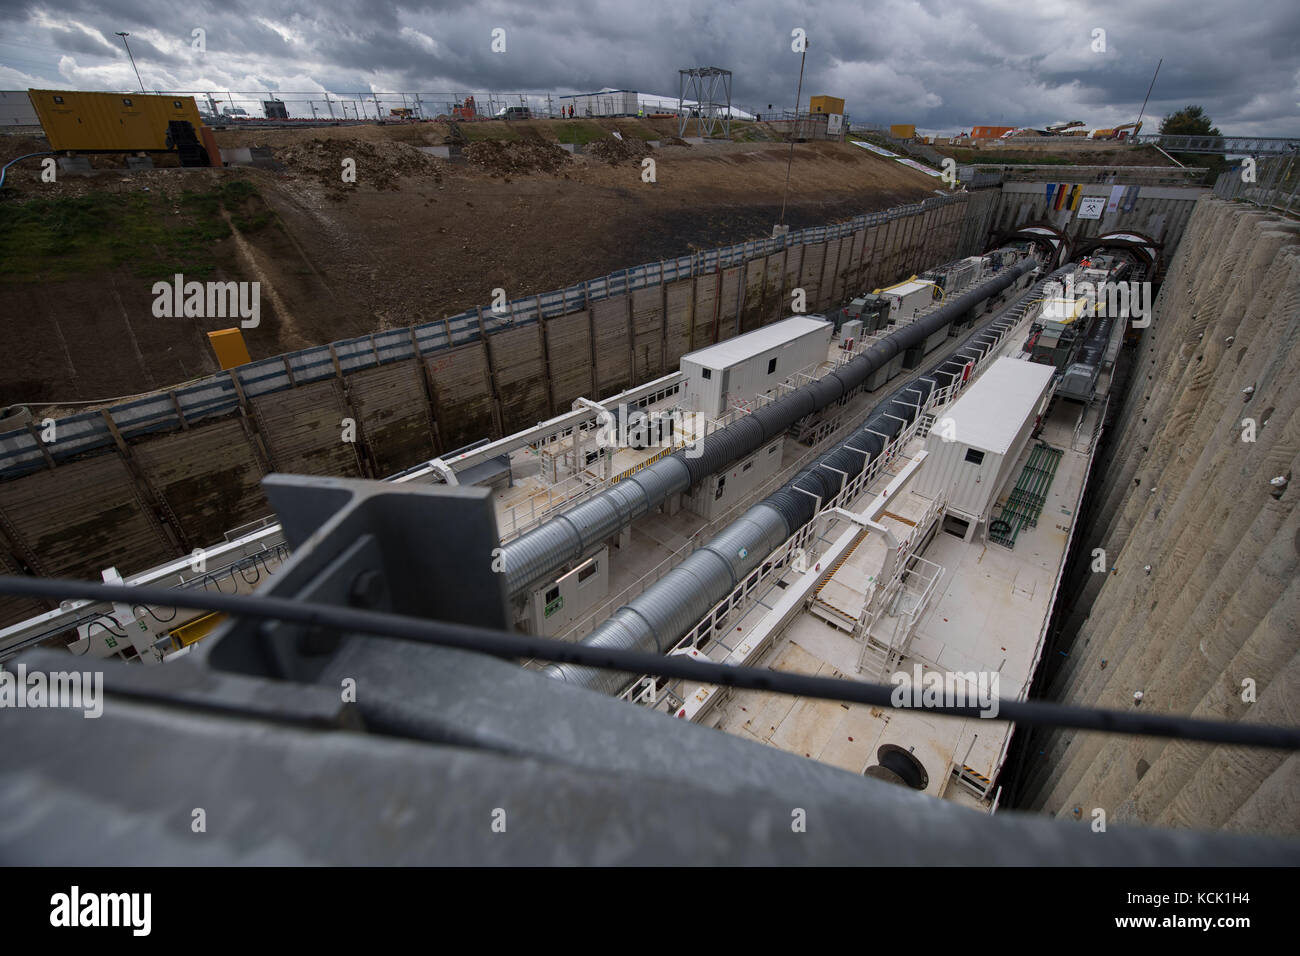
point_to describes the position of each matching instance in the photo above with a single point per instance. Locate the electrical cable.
(343, 619)
(4, 169)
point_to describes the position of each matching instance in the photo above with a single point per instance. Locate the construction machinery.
(1119, 132)
(466, 110)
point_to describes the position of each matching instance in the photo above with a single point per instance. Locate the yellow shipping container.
(900, 131)
(112, 122)
(825, 104)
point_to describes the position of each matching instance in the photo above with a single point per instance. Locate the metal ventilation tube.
(534, 558)
(660, 615)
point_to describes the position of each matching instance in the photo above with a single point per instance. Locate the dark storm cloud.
(939, 64)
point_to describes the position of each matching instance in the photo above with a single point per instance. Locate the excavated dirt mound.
(505, 157)
(378, 165)
(615, 151)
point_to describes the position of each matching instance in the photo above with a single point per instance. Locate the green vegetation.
(54, 239)
(1188, 121)
(581, 132)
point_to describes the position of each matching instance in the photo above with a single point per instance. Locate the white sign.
(1091, 207)
(875, 149)
(834, 123)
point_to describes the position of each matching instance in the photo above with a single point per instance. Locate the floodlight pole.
(133, 66)
(798, 98)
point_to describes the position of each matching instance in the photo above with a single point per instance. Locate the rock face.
(1201, 593)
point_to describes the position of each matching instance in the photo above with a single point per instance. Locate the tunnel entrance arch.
(1054, 247)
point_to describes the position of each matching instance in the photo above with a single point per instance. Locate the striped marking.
(838, 564)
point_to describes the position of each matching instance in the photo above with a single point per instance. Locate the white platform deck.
(989, 612)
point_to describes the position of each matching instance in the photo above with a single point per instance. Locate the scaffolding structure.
(710, 88)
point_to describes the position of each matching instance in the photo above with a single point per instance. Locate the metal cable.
(516, 646)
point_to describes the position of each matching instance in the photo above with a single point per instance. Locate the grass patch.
(53, 239)
(580, 132)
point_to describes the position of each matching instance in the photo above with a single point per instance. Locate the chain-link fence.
(359, 107)
(319, 106)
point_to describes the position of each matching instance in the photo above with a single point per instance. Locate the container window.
(177, 104)
(748, 465)
(552, 594)
(974, 457)
(125, 101)
(588, 571)
(58, 99)
(708, 373)
(771, 366)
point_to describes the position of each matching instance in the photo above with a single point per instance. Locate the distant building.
(603, 103)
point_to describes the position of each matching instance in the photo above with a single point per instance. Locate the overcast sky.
(944, 66)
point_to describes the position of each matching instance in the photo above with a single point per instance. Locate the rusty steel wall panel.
(680, 296)
(209, 477)
(81, 517)
(609, 320)
(706, 302)
(520, 376)
(461, 389)
(751, 313)
(393, 409)
(303, 429)
(568, 339)
(647, 334)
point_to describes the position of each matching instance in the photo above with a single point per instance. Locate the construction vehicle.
(1119, 132)
(401, 113)
(466, 110)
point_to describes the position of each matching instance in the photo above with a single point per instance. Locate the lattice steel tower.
(710, 88)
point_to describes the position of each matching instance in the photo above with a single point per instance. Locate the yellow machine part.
(128, 122)
(194, 630)
(903, 131)
(825, 104)
(228, 344)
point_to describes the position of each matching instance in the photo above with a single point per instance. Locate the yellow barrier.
(194, 630)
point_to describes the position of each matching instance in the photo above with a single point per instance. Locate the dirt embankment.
(415, 238)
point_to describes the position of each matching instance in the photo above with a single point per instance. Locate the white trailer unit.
(975, 444)
(556, 606)
(740, 369)
(721, 491)
(908, 298)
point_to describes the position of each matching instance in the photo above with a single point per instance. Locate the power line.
(522, 646)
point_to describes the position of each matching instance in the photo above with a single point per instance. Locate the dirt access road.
(413, 239)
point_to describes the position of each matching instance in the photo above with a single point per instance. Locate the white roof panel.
(908, 287)
(736, 350)
(990, 412)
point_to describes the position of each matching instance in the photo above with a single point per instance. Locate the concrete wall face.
(1158, 212)
(1199, 603)
(410, 394)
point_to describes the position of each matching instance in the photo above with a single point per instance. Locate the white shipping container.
(989, 427)
(739, 369)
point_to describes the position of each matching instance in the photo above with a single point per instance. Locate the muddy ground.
(413, 239)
